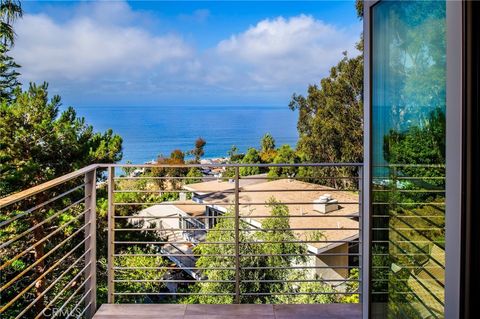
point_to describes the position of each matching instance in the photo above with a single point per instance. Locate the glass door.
(408, 104)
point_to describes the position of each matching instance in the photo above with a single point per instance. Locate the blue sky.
(182, 53)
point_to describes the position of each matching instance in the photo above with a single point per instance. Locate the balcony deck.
(177, 311)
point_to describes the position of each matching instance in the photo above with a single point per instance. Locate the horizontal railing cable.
(43, 222)
(30, 286)
(29, 211)
(60, 293)
(56, 231)
(43, 293)
(39, 260)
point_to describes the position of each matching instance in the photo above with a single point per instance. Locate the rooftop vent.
(325, 204)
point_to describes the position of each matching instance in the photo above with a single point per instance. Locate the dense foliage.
(251, 157)
(418, 145)
(330, 120)
(38, 142)
(267, 143)
(262, 251)
(284, 155)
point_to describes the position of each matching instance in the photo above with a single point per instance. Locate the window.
(212, 212)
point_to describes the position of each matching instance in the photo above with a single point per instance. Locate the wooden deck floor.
(176, 311)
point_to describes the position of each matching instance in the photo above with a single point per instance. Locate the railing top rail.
(16, 197)
(234, 165)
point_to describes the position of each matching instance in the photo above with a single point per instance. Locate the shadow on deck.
(177, 311)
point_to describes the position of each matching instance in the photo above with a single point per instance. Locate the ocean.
(150, 131)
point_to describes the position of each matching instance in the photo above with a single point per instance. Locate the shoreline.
(203, 161)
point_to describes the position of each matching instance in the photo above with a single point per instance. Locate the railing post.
(237, 235)
(360, 235)
(365, 226)
(111, 235)
(91, 244)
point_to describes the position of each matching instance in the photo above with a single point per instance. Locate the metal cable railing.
(235, 238)
(48, 249)
(408, 238)
(291, 236)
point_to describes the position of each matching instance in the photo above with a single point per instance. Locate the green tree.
(285, 154)
(8, 74)
(359, 8)
(331, 119)
(251, 157)
(38, 143)
(310, 292)
(235, 156)
(128, 170)
(267, 148)
(138, 279)
(195, 175)
(352, 287)
(267, 143)
(258, 251)
(233, 151)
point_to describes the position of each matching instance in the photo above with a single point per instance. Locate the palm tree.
(10, 11)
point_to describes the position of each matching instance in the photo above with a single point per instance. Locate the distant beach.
(150, 131)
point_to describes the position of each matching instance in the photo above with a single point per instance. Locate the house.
(309, 220)
(168, 220)
(327, 223)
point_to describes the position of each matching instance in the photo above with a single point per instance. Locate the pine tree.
(8, 74)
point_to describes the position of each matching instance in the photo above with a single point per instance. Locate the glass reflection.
(408, 159)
